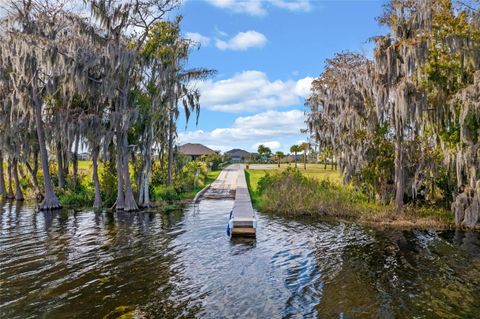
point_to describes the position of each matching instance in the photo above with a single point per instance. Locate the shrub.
(81, 196)
(214, 161)
(291, 193)
(288, 192)
(108, 182)
(165, 193)
(188, 175)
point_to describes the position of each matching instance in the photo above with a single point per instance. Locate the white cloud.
(272, 145)
(252, 7)
(197, 37)
(220, 32)
(258, 7)
(303, 86)
(248, 130)
(298, 5)
(252, 91)
(243, 41)
(300, 142)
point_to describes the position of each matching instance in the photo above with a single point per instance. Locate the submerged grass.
(317, 193)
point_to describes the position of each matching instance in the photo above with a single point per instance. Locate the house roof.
(195, 149)
(236, 152)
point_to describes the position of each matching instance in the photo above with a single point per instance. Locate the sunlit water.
(86, 264)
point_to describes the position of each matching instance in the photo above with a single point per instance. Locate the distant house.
(195, 151)
(237, 155)
(290, 158)
(85, 156)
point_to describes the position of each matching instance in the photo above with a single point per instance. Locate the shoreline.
(370, 214)
(398, 221)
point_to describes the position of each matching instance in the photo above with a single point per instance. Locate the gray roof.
(236, 152)
(195, 149)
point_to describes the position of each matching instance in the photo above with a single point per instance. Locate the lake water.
(182, 265)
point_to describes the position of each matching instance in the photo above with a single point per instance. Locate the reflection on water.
(181, 264)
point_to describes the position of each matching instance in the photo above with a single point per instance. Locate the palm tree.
(278, 156)
(295, 149)
(264, 151)
(304, 147)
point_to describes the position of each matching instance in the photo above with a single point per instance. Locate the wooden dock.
(231, 183)
(243, 220)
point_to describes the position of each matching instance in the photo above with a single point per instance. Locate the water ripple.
(182, 265)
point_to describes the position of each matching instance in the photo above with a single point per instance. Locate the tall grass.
(291, 193)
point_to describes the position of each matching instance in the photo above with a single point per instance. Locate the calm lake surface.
(182, 265)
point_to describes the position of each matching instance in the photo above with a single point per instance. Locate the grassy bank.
(320, 193)
(163, 197)
(211, 177)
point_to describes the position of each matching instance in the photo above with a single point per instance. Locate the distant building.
(85, 156)
(195, 151)
(237, 155)
(290, 158)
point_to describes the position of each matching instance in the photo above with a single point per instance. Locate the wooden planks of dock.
(231, 183)
(243, 220)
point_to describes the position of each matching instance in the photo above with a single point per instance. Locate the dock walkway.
(225, 184)
(231, 183)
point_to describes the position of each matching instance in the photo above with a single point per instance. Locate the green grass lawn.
(212, 176)
(257, 171)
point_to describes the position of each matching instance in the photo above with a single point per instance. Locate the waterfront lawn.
(211, 177)
(317, 171)
(343, 201)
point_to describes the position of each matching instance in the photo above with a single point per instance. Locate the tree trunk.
(144, 194)
(120, 203)
(60, 168)
(66, 162)
(18, 188)
(97, 204)
(50, 201)
(146, 185)
(305, 160)
(33, 177)
(140, 188)
(279, 163)
(130, 204)
(10, 194)
(399, 178)
(325, 164)
(170, 150)
(3, 189)
(295, 159)
(162, 163)
(75, 161)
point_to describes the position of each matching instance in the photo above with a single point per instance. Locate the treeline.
(107, 76)
(404, 125)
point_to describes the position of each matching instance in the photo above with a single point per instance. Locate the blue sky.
(266, 53)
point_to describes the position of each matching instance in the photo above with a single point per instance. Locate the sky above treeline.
(266, 54)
